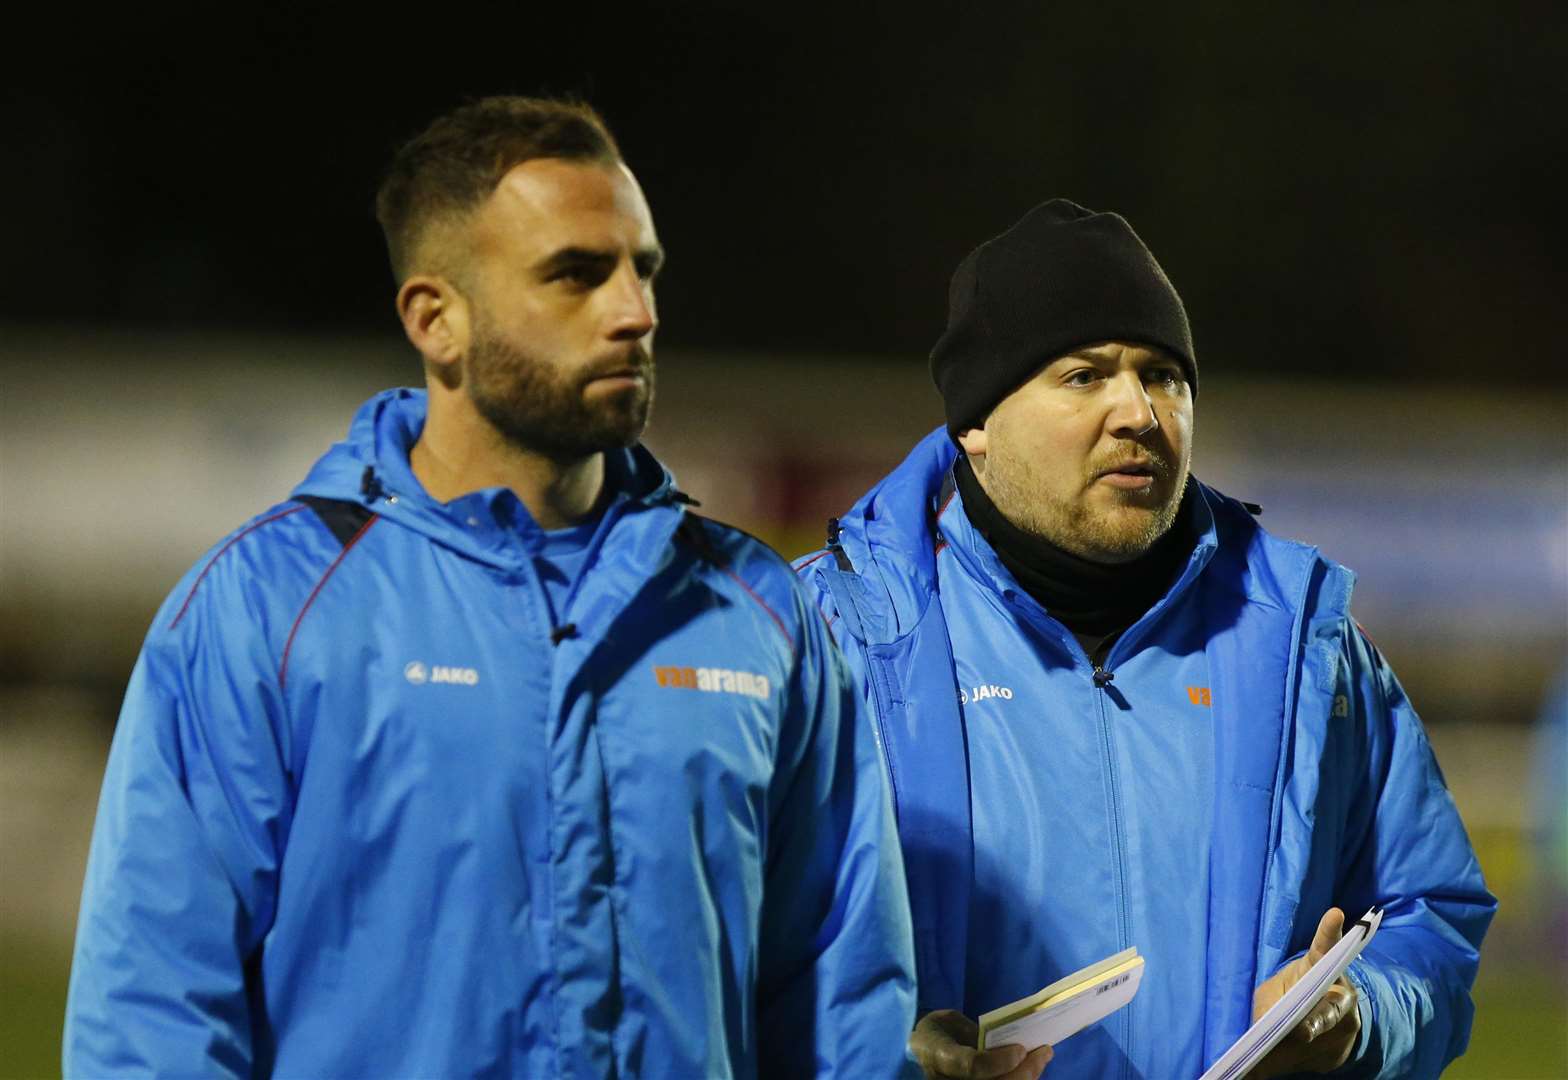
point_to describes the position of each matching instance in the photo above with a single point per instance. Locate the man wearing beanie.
(1116, 713)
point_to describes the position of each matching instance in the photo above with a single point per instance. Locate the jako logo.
(418, 674)
(712, 679)
(980, 693)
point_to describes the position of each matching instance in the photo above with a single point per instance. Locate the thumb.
(1331, 927)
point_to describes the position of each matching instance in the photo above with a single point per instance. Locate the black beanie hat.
(1061, 278)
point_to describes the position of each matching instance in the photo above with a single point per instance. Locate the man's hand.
(944, 1044)
(1327, 1034)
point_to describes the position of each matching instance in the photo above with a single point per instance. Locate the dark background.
(1367, 190)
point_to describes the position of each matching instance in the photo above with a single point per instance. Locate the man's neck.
(459, 452)
(1091, 599)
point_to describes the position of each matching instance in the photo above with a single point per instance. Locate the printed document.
(1066, 1006)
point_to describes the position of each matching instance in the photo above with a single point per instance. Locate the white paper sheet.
(1087, 996)
(1292, 1008)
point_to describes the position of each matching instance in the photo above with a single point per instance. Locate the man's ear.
(435, 318)
(972, 442)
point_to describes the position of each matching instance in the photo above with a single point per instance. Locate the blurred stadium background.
(1362, 209)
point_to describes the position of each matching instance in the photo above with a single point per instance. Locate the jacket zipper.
(1102, 679)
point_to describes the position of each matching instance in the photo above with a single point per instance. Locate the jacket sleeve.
(836, 990)
(1407, 850)
(181, 874)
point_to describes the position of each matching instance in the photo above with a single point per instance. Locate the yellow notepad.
(1066, 1006)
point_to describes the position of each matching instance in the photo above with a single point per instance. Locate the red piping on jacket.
(283, 667)
(814, 558)
(208, 568)
(764, 605)
(940, 544)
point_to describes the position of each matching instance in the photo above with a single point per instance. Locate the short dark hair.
(454, 164)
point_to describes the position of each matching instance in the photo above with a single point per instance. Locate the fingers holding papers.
(1337, 1007)
(1331, 927)
(1322, 1042)
(943, 1042)
(1325, 1037)
(1033, 1065)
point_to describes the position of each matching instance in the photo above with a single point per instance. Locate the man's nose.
(1132, 410)
(632, 314)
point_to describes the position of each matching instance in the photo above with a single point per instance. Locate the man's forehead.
(545, 191)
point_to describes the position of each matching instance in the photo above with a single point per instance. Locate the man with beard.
(481, 755)
(1117, 713)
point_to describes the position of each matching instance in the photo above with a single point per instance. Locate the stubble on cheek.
(540, 410)
(1087, 520)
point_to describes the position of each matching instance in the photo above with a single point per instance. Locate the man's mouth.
(620, 375)
(1133, 468)
(1136, 474)
(631, 368)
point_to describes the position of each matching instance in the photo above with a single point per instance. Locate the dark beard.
(539, 411)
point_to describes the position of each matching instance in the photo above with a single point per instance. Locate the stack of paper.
(1291, 1009)
(1066, 1006)
(1087, 996)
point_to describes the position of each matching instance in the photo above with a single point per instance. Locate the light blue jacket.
(1323, 789)
(369, 811)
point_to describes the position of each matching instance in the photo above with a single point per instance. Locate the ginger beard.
(537, 407)
(1098, 523)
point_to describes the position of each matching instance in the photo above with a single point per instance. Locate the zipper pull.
(1103, 678)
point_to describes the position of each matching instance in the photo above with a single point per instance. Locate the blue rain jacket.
(370, 812)
(1315, 786)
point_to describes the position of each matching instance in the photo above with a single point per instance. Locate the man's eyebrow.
(574, 256)
(647, 260)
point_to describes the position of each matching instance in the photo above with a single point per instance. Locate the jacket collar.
(371, 467)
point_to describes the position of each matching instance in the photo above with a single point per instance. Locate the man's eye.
(1081, 377)
(1166, 376)
(585, 277)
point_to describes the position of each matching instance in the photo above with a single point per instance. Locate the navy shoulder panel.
(280, 548)
(751, 562)
(343, 518)
(693, 532)
(725, 545)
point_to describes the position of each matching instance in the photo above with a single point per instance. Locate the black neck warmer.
(1089, 598)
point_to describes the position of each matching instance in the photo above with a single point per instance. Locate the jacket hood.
(370, 467)
(887, 533)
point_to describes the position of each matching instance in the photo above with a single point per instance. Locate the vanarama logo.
(713, 680)
(981, 693)
(418, 674)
